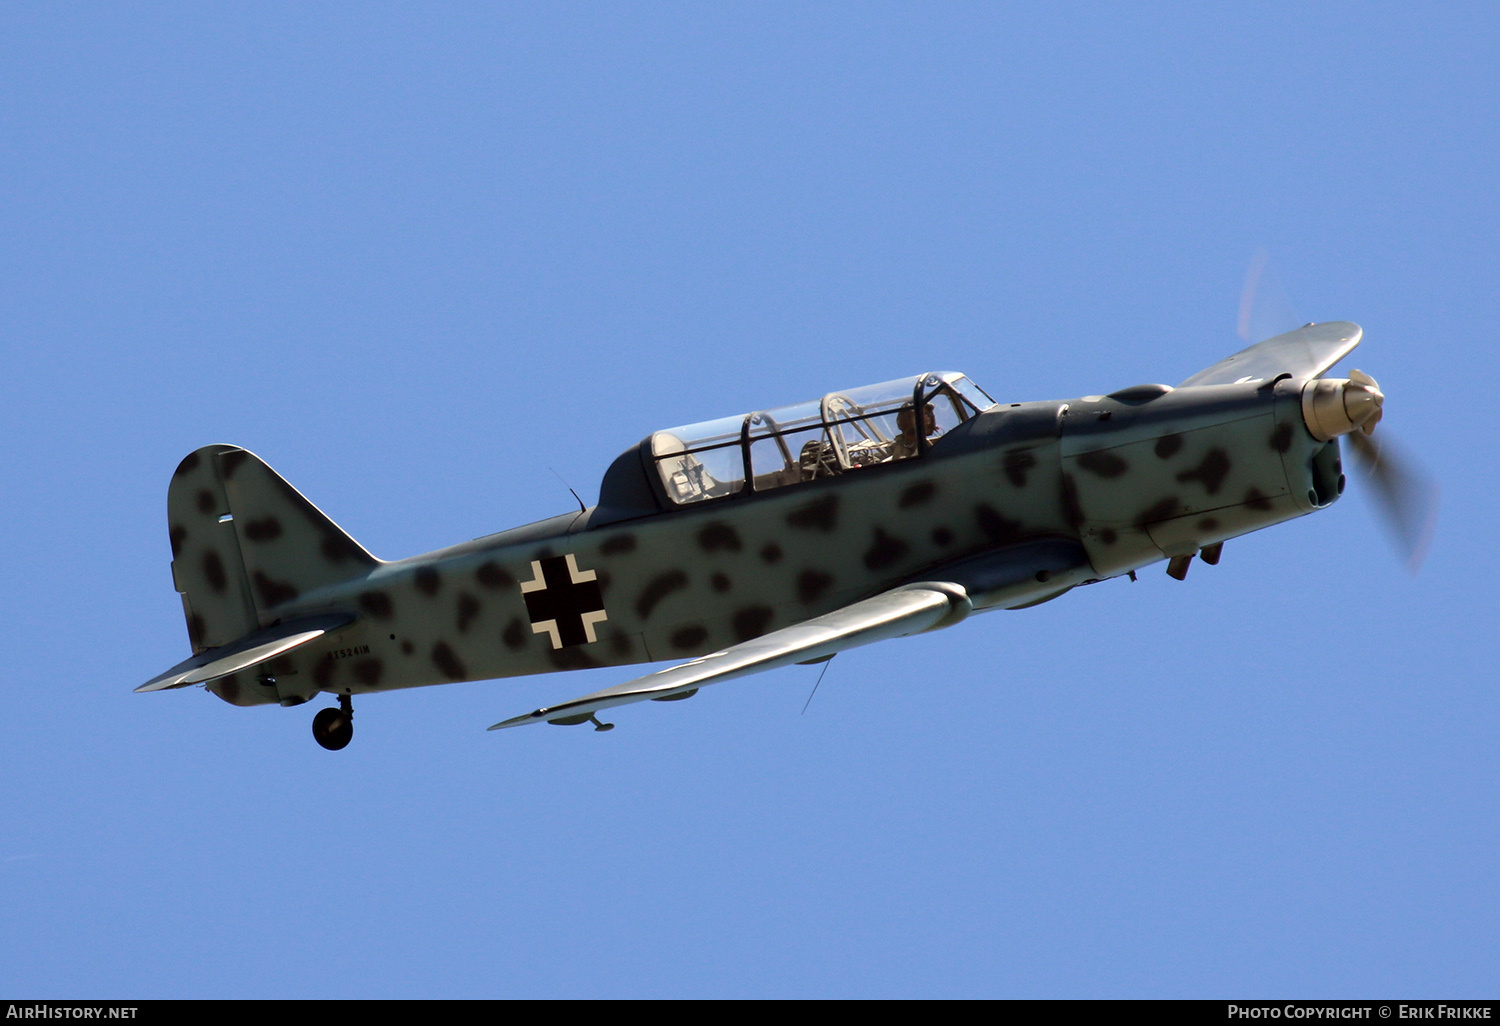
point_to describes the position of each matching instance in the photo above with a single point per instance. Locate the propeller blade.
(1265, 310)
(1405, 496)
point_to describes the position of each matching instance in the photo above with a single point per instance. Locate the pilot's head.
(904, 420)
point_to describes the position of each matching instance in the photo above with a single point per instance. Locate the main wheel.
(333, 729)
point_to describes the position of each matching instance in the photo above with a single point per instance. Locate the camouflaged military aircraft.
(780, 537)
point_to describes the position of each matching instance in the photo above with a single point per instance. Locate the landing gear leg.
(334, 728)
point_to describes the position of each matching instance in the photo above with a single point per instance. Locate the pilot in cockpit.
(907, 444)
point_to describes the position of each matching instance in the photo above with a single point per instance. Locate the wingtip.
(164, 683)
(519, 721)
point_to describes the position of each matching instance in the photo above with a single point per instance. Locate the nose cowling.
(1336, 406)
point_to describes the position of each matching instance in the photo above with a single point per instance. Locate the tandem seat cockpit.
(842, 432)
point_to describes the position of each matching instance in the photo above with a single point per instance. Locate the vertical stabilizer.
(245, 543)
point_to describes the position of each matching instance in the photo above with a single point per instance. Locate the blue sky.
(418, 257)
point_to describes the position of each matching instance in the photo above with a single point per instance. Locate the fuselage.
(1135, 477)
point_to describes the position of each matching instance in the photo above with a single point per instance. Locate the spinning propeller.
(1404, 494)
(1406, 498)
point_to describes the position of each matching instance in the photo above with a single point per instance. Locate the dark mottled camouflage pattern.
(1148, 474)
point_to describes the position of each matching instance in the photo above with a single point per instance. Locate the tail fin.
(245, 542)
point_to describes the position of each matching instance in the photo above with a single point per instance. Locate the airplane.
(783, 536)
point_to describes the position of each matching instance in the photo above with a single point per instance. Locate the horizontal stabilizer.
(1304, 353)
(910, 609)
(248, 651)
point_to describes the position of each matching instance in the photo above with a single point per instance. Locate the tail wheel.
(333, 728)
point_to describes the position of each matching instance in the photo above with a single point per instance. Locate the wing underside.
(910, 609)
(1305, 353)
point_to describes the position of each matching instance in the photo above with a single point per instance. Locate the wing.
(1304, 353)
(247, 651)
(909, 609)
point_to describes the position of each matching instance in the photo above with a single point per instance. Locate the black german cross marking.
(563, 601)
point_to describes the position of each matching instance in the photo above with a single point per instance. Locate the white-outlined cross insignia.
(563, 601)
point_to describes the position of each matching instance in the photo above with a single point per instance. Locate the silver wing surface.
(247, 651)
(909, 609)
(1304, 353)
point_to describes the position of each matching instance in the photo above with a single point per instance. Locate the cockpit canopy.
(842, 432)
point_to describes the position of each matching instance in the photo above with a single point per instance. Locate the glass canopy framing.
(840, 433)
